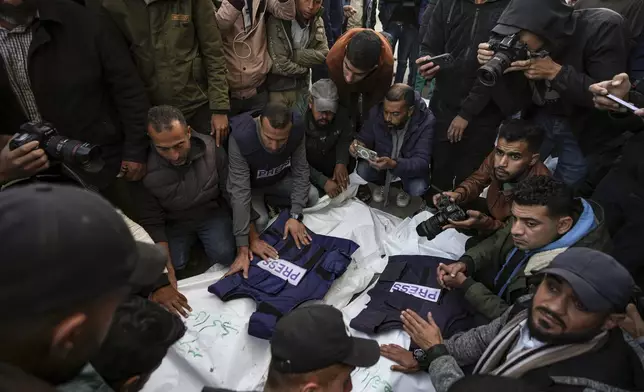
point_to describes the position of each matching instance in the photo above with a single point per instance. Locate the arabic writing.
(198, 322)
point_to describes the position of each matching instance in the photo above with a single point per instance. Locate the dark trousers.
(254, 104)
(453, 163)
(201, 120)
(406, 35)
(215, 233)
(622, 197)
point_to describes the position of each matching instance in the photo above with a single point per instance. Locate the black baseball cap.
(64, 245)
(315, 337)
(599, 281)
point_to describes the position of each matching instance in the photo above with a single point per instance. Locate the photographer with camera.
(546, 220)
(68, 66)
(467, 115)
(561, 52)
(514, 158)
(399, 131)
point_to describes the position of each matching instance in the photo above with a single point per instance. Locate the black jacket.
(457, 27)
(85, 84)
(591, 45)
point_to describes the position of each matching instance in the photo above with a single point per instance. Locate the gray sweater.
(240, 189)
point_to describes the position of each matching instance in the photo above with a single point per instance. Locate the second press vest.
(409, 282)
(266, 168)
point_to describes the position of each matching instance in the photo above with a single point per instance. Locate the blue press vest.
(324, 260)
(266, 168)
(451, 312)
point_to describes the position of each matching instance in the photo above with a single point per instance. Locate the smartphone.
(623, 103)
(365, 153)
(441, 60)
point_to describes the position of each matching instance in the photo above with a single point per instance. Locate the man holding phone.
(466, 116)
(621, 192)
(400, 132)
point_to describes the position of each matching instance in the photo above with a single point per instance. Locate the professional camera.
(447, 210)
(507, 49)
(73, 152)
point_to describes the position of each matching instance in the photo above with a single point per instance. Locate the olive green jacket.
(486, 259)
(177, 48)
(289, 64)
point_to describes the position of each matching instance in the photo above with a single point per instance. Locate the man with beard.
(400, 131)
(65, 64)
(546, 220)
(328, 136)
(69, 261)
(514, 158)
(564, 338)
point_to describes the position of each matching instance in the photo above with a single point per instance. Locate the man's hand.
(456, 129)
(349, 11)
(23, 162)
(633, 323)
(352, 147)
(425, 334)
(476, 218)
(619, 86)
(341, 175)
(298, 231)
(132, 171)
(428, 69)
(406, 363)
(172, 300)
(542, 68)
(484, 54)
(262, 249)
(454, 282)
(332, 188)
(172, 276)
(219, 128)
(450, 270)
(455, 197)
(241, 263)
(383, 163)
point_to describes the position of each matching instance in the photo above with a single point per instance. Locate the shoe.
(403, 199)
(364, 194)
(378, 194)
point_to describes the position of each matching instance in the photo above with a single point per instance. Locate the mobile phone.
(440, 60)
(365, 153)
(623, 103)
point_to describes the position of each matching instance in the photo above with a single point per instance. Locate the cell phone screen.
(623, 103)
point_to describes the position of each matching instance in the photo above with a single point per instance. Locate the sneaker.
(378, 194)
(403, 199)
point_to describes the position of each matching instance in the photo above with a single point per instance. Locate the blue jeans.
(559, 139)
(414, 186)
(407, 38)
(215, 233)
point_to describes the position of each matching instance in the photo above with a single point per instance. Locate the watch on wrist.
(422, 358)
(297, 217)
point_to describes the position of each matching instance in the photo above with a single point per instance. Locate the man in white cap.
(328, 136)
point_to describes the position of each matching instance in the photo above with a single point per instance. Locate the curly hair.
(545, 191)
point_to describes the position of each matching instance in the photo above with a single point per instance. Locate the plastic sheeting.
(217, 351)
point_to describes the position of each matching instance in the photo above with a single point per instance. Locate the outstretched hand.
(425, 333)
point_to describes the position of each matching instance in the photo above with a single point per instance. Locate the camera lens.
(493, 70)
(432, 226)
(75, 152)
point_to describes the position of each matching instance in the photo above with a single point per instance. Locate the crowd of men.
(200, 119)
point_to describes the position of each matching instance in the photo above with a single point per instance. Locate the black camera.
(507, 49)
(59, 148)
(447, 210)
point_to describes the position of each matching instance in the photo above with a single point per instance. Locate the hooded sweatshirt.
(591, 45)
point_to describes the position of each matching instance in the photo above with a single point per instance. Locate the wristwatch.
(422, 358)
(297, 217)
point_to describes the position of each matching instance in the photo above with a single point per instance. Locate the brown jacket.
(499, 201)
(246, 53)
(373, 87)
